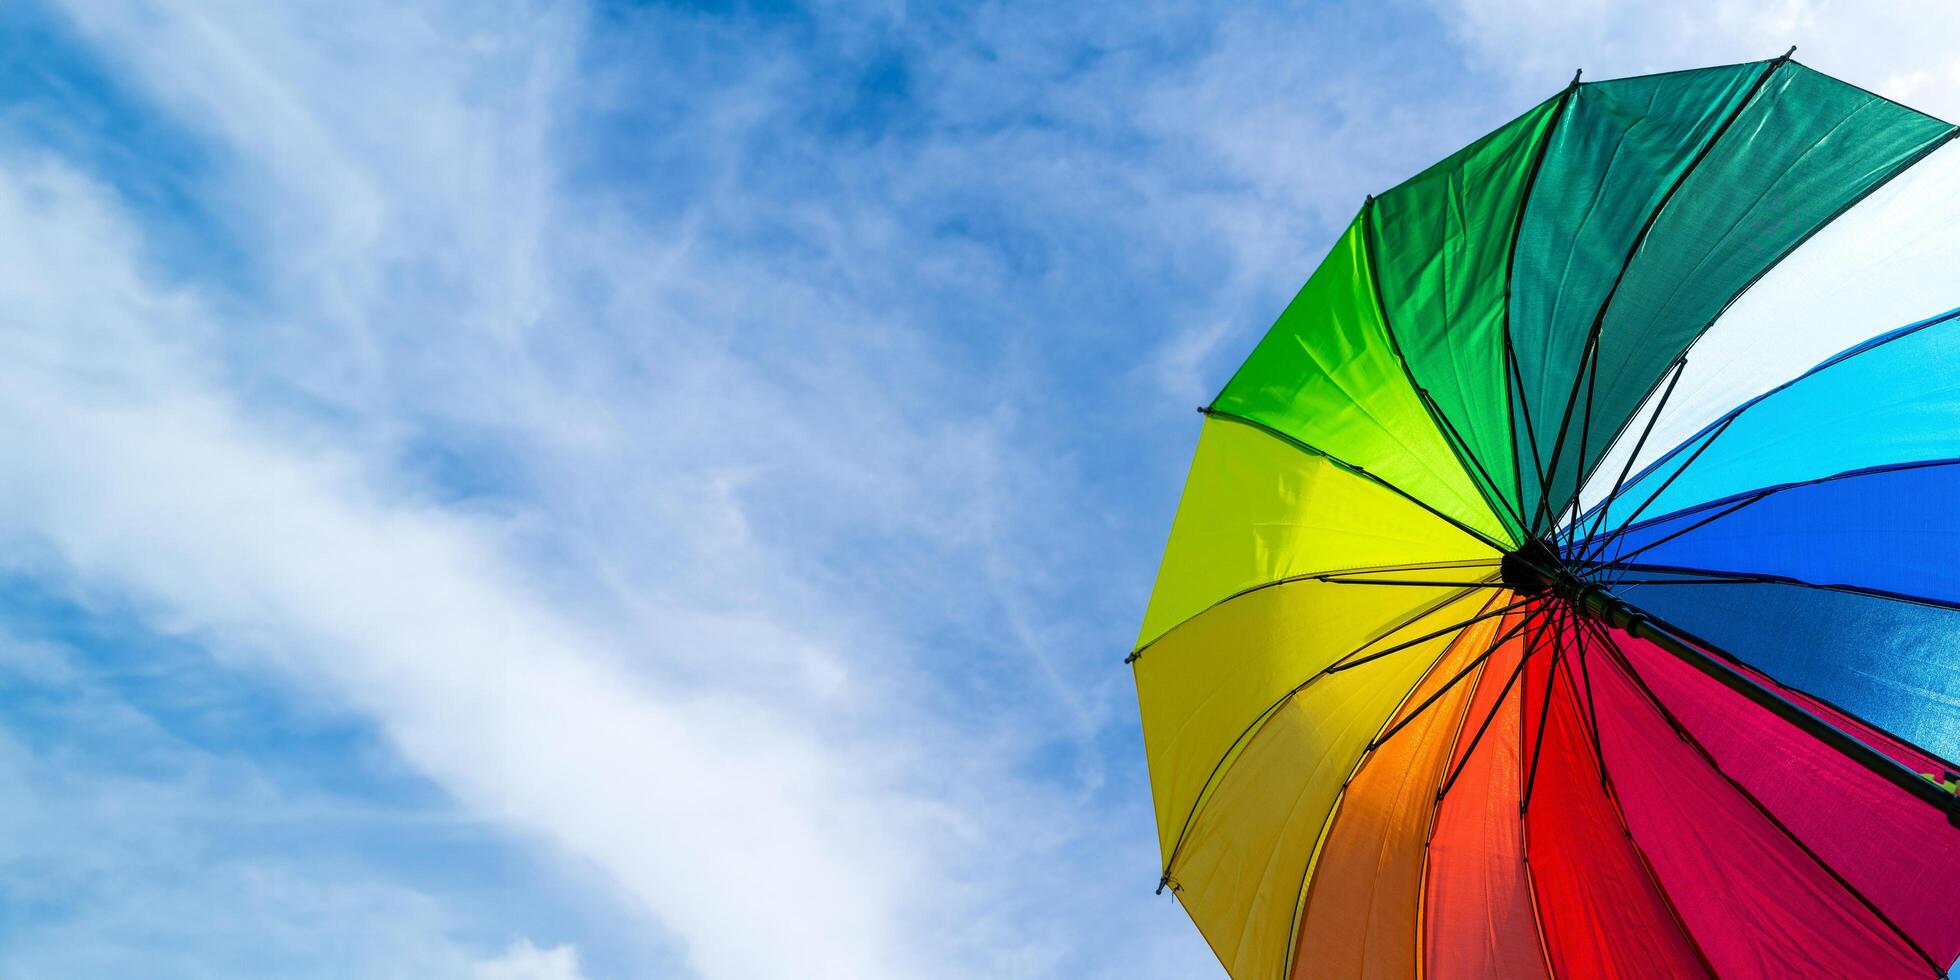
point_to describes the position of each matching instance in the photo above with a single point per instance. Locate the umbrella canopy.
(1535, 607)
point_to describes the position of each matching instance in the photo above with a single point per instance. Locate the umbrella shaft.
(1594, 601)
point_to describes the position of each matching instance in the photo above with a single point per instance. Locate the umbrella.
(1565, 585)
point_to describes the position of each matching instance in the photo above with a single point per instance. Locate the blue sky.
(539, 490)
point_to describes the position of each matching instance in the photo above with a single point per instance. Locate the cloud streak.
(546, 492)
(142, 479)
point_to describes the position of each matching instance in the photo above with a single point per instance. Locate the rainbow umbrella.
(1565, 586)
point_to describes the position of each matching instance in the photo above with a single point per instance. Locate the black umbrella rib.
(1877, 470)
(1309, 448)
(1137, 653)
(1623, 557)
(1197, 802)
(1513, 375)
(1904, 165)
(1599, 548)
(1559, 622)
(1368, 753)
(1599, 518)
(1646, 863)
(1708, 758)
(1410, 620)
(1588, 357)
(1705, 576)
(1304, 893)
(1753, 496)
(1530, 647)
(1715, 429)
(1462, 447)
(1345, 664)
(1640, 239)
(1516, 377)
(1592, 712)
(1486, 488)
(1447, 686)
(1705, 580)
(1490, 583)
(1585, 444)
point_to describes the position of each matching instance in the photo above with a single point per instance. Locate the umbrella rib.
(1462, 448)
(1198, 802)
(1445, 689)
(1513, 373)
(1592, 711)
(1585, 441)
(1592, 555)
(1587, 356)
(1633, 251)
(1309, 448)
(1524, 826)
(1303, 894)
(1639, 850)
(1907, 164)
(1715, 429)
(1680, 366)
(1137, 653)
(1702, 576)
(1530, 432)
(1489, 583)
(1530, 647)
(1544, 708)
(1708, 758)
(1622, 557)
(1739, 504)
(1711, 579)
(1753, 496)
(1877, 470)
(1435, 812)
(1344, 663)
(1458, 446)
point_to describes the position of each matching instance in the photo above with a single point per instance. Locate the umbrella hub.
(1535, 569)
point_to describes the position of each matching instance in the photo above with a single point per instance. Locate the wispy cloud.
(143, 476)
(525, 961)
(131, 849)
(662, 537)
(1902, 50)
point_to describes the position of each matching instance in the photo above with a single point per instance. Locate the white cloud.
(525, 961)
(1903, 50)
(131, 851)
(713, 810)
(645, 655)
